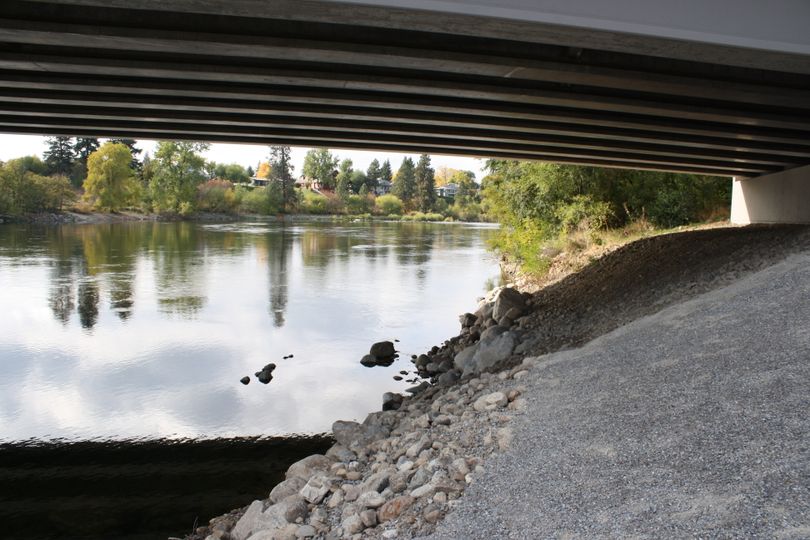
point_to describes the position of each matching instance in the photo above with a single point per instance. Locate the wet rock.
(421, 387)
(391, 401)
(245, 380)
(383, 350)
(369, 360)
(467, 320)
(264, 376)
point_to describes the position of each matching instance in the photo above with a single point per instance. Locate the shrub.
(254, 201)
(216, 196)
(315, 203)
(388, 205)
(358, 204)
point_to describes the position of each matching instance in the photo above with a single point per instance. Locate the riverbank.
(399, 472)
(72, 217)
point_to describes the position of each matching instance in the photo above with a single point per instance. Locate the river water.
(125, 343)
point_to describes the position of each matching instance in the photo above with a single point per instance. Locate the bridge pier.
(782, 197)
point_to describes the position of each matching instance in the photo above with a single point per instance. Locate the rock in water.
(245, 380)
(368, 361)
(383, 350)
(264, 377)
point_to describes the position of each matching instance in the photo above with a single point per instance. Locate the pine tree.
(405, 181)
(373, 175)
(281, 170)
(85, 146)
(59, 156)
(385, 171)
(425, 184)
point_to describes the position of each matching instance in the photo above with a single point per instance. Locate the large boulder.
(351, 434)
(496, 344)
(508, 299)
(288, 487)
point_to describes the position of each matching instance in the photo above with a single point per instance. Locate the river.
(122, 347)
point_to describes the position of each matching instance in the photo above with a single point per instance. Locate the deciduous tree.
(178, 170)
(319, 164)
(110, 183)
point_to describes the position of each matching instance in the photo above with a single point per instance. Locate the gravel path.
(691, 422)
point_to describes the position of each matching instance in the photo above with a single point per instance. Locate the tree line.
(89, 175)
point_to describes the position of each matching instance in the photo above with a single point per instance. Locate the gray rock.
(423, 443)
(353, 524)
(490, 402)
(352, 434)
(422, 360)
(465, 357)
(419, 388)
(449, 378)
(493, 332)
(305, 531)
(423, 491)
(369, 360)
(490, 351)
(338, 452)
(369, 518)
(247, 524)
(308, 466)
(507, 299)
(391, 401)
(316, 489)
(467, 320)
(383, 350)
(432, 513)
(370, 499)
(286, 488)
(294, 508)
(376, 482)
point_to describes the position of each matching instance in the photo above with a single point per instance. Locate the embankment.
(399, 472)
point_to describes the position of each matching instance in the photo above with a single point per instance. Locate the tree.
(405, 181)
(373, 174)
(84, 146)
(110, 182)
(344, 179)
(281, 170)
(425, 184)
(250, 171)
(319, 165)
(264, 170)
(135, 164)
(232, 172)
(177, 171)
(60, 155)
(385, 171)
(359, 180)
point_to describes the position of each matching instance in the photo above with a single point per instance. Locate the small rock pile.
(393, 476)
(488, 337)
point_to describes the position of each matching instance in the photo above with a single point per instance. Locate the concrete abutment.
(782, 197)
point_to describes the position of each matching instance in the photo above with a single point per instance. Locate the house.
(255, 181)
(383, 187)
(447, 190)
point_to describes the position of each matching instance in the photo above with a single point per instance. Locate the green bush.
(388, 205)
(216, 196)
(254, 201)
(315, 203)
(358, 204)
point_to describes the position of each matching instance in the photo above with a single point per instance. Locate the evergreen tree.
(84, 146)
(250, 171)
(405, 181)
(344, 180)
(425, 184)
(373, 174)
(60, 155)
(281, 170)
(385, 171)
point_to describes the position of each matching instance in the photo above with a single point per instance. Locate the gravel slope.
(689, 422)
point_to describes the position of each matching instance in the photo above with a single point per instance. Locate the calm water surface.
(144, 329)
(122, 346)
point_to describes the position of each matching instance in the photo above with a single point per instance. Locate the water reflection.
(148, 327)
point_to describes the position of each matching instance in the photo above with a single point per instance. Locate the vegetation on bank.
(544, 209)
(548, 209)
(85, 175)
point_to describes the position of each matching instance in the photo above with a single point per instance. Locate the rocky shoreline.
(397, 474)
(400, 471)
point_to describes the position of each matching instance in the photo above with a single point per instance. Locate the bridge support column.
(782, 197)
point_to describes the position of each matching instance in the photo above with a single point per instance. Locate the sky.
(13, 146)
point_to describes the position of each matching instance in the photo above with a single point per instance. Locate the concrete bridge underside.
(567, 82)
